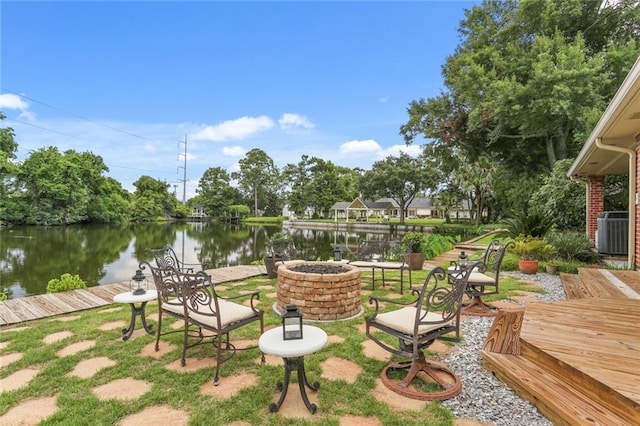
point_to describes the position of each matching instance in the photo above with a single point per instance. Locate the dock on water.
(14, 311)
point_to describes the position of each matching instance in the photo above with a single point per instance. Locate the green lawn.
(180, 390)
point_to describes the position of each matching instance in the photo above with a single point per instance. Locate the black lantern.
(337, 254)
(292, 323)
(138, 284)
(462, 259)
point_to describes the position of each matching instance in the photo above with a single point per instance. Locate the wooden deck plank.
(630, 278)
(34, 307)
(555, 398)
(598, 284)
(597, 337)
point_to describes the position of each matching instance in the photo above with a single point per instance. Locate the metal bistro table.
(293, 352)
(136, 311)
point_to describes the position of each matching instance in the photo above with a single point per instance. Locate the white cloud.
(290, 121)
(360, 147)
(412, 150)
(237, 129)
(11, 101)
(233, 151)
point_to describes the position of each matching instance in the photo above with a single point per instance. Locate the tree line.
(524, 87)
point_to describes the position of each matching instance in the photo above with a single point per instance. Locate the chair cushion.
(174, 306)
(478, 277)
(230, 312)
(402, 320)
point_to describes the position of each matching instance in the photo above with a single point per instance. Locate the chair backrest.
(441, 294)
(165, 258)
(283, 250)
(372, 250)
(200, 298)
(492, 257)
(168, 285)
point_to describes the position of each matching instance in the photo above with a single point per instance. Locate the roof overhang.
(619, 126)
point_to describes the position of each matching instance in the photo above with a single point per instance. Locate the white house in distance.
(383, 208)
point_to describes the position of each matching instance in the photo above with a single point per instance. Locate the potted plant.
(552, 265)
(531, 250)
(412, 244)
(277, 250)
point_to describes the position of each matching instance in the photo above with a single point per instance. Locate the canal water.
(105, 254)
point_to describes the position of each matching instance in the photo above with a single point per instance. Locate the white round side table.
(132, 299)
(293, 352)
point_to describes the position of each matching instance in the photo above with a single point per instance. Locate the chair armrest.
(255, 295)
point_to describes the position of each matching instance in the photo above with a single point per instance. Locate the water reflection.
(103, 254)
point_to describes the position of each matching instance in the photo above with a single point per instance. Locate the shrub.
(66, 282)
(534, 225)
(412, 242)
(573, 246)
(436, 244)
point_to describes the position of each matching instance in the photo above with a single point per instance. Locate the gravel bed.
(483, 397)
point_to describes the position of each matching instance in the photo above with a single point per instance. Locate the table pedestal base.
(478, 308)
(135, 312)
(295, 364)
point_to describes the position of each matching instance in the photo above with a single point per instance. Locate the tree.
(526, 80)
(215, 192)
(8, 173)
(152, 199)
(257, 176)
(400, 178)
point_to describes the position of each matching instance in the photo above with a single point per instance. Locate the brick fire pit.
(324, 291)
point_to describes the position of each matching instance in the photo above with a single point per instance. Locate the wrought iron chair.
(434, 314)
(484, 280)
(372, 255)
(192, 297)
(166, 257)
(170, 302)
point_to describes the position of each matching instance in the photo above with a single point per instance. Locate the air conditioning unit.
(613, 233)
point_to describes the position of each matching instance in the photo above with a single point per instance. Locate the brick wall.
(595, 204)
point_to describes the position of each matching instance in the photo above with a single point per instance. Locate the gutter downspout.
(632, 197)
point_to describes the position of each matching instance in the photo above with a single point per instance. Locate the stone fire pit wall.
(320, 296)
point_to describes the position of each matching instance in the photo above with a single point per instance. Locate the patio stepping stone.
(293, 406)
(74, 348)
(335, 368)
(163, 348)
(394, 400)
(89, 367)
(7, 359)
(109, 310)
(18, 379)
(372, 350)
(4, 344)
(56, 337)
(229, 386)
(127, 389)
(112, 325)
(10, 330)
(265, 287)
(335, 339)
(30, 412)
(359, 420)
(66, 318)
(193, 364)
(155, 415)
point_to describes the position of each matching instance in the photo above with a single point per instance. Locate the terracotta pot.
(415, 261)
(528, 266)
(270, 265)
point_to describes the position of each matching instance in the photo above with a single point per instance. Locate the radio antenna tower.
(184, 170)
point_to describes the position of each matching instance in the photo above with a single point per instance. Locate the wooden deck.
(578, 360)
(29, 308)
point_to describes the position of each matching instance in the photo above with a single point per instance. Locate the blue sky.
(129, 80)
